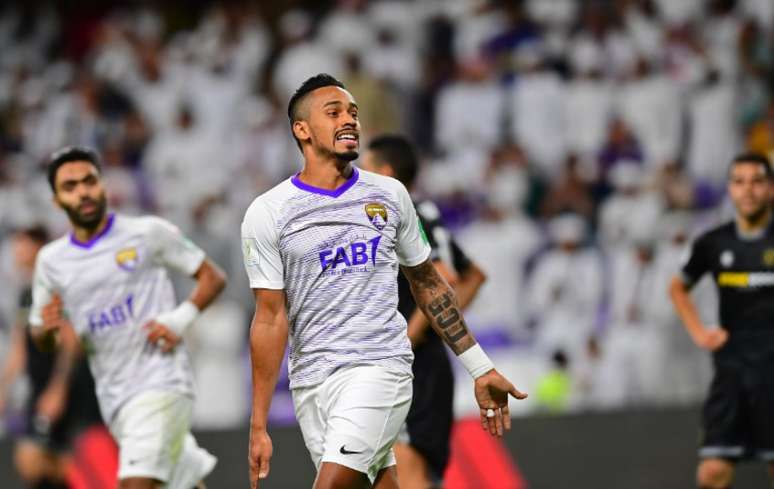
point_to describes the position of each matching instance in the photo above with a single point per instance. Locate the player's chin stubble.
(82, 221)
(347, 156)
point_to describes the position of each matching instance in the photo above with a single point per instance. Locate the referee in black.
(422, 452)
(738, 415)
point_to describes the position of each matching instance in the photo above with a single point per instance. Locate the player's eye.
(354, 114)
(333, 113)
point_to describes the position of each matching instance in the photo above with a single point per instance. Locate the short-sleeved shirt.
(111, 287)
(336, 254)
(743, 271)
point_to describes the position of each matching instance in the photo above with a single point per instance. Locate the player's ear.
(301, 130)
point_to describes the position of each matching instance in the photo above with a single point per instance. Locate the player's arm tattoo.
(436, 299)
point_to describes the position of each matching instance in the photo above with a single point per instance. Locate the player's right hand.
(711, 339)
(260, 452)
(161, 336)
(52, 315)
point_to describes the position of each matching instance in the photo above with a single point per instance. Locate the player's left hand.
(492, 390)
(51, 404)
(162, 336)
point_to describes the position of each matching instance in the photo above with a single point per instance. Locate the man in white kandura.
(108, 278)
(322, 251)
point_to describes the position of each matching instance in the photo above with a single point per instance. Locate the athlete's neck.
(326, 174)
(753, 224)
(84, 235)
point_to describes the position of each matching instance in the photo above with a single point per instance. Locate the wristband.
(476, 362)
(180, 318)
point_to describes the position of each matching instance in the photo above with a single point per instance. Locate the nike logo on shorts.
(344, 451)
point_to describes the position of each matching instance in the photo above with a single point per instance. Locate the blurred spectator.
(599, 383)
(178, 158)
(620, 145)
(589, 105)
(473, 92)
(713, 139)
(636, 340)
(631, 207)
(378, 110)
(569, 193)
(537, 110)
(651, 107)
(677, 189)
(502, 242)
(347, 28)
(566, 287)
(300, 56)
(554, 388)
(393, 58)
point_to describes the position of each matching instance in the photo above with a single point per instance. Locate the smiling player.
(108, 279)
(322, 251)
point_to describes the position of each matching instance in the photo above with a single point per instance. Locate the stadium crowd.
(574, 147)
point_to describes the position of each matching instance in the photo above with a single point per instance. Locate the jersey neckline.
(322, 191)
(91, 242)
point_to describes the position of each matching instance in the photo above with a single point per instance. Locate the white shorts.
(154, 442)
(354, 416)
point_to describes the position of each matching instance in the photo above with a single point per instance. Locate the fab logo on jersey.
(377, 214)
(350, 258)
(127, 259)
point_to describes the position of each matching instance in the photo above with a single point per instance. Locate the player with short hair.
(108, 279)
(422, 452)
(737, 420)
(322, 251)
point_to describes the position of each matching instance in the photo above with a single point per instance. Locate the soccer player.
(423, 456)
(61, 403)
(108, 280)
(322, 251)
(737, 420)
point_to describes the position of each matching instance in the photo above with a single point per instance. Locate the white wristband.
(180, 318)
(476, 362)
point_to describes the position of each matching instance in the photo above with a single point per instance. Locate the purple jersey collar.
(330, 193)
(91, 242)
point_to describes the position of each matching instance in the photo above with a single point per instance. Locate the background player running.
(322, 251)
(738, 415)
(61, 403)
(423, 456)
(108, 279)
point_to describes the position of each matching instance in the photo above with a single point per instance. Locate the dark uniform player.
(738, 416)
(61, 403)
(423, 457)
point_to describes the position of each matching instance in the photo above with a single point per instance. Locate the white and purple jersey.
(111, 287)
(336, 255)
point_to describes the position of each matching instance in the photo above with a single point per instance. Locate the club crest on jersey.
(127, 259)
(377, 214)
(768, 257)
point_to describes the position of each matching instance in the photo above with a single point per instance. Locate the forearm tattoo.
(437, 301)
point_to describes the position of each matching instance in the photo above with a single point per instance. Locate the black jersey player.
(423, 453)
(738, 415)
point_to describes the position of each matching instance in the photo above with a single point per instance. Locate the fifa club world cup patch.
(377, 214)
(127, 259)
